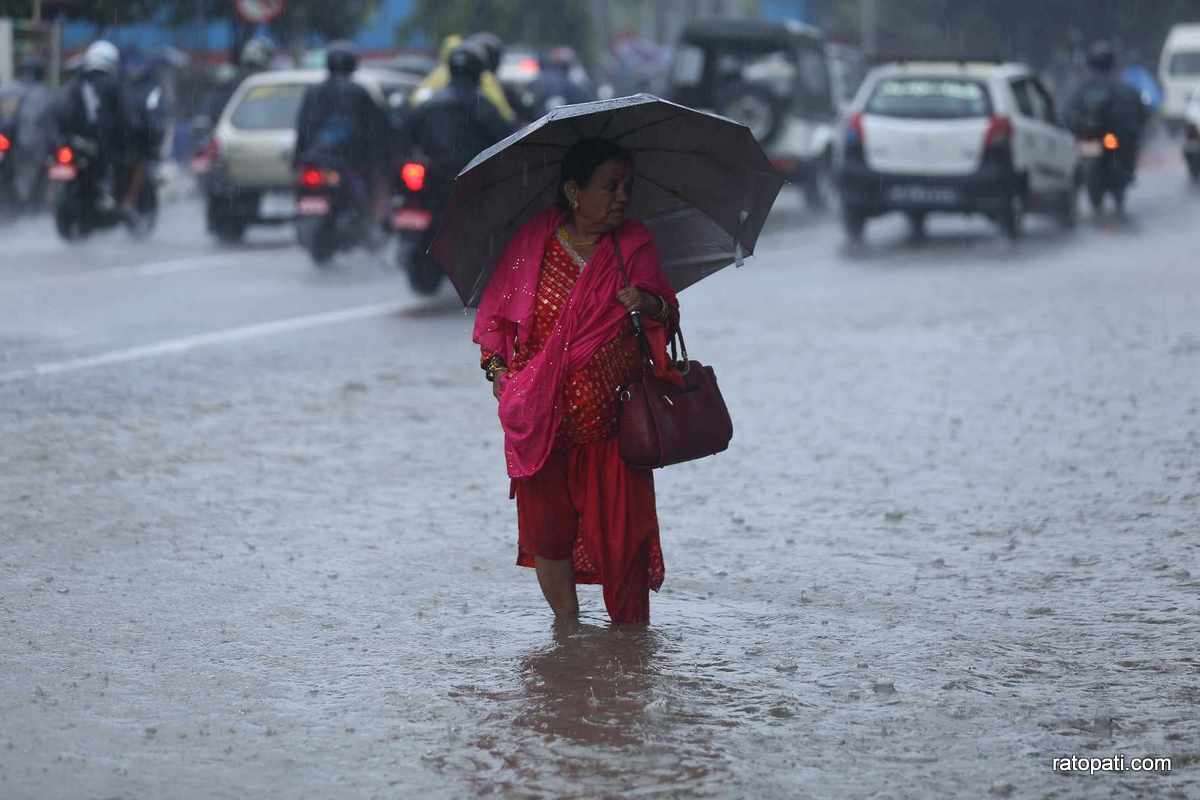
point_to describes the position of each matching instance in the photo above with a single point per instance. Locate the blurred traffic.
(356, 152)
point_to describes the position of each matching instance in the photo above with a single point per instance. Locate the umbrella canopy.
(702, 185)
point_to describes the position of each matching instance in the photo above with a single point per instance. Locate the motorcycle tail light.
(65, 155)
(999, 132)
(311, 178)
(413, 175)
(5, 143)
(1111, 142)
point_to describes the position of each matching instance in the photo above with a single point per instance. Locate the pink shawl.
(531, 403)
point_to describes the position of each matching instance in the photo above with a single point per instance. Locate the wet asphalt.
(255, 538)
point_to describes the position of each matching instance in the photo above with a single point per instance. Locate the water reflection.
(591, 685)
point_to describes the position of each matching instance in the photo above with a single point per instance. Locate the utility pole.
(869, 27)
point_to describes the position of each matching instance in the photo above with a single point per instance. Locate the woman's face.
(605, 199)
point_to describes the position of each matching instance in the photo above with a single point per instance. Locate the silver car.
(249, 179)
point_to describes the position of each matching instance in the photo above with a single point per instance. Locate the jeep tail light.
(64, 155)
(5, 143)
(1111, 142)
(413, 175)
(999, 133)
(313, 178)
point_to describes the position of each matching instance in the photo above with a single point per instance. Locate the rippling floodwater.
(957, 536)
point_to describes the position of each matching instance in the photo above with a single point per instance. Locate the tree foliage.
(300, 19)
(1030, 30)
(534, 22)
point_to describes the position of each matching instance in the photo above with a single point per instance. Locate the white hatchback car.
(959, 137)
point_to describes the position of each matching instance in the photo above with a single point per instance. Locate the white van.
(1179, 70)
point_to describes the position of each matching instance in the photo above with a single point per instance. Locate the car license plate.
(1090, 148)
(313, 206)
(277, 205)
(62, 172)
(923, 195)
(412, 219)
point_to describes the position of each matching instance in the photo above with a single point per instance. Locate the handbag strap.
(636, 316)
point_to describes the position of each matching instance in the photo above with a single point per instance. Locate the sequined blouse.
(590, 392)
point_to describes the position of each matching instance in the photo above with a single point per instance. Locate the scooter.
(413, 219)
(1103, 171)
(80, 208)
(331, 212)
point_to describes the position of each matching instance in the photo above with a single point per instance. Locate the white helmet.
(102, 56)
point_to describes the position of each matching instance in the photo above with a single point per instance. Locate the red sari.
(584, 502)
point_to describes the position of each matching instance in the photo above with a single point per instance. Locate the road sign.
(259, 11)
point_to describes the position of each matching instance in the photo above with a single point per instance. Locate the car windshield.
(929, 98)
(1186, 63)
(270, 107)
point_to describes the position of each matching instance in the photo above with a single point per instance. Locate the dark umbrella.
(702, 184)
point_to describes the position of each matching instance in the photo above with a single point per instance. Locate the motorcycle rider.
(94, 106)
(554, 86)
(1103, 103)
(29, 124)
(341, 124)
(256, 56)
(456, 123)
(491, 49)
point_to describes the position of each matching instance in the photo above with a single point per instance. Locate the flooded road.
(957, 534)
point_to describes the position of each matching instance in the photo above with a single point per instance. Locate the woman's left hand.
(634, 299)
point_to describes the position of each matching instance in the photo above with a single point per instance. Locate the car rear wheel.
(820, 191)
(916, 224)
(854, 223)
(1067, 213)
(1012, 218)
(424, 275)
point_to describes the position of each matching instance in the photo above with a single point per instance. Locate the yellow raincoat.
(440, 76)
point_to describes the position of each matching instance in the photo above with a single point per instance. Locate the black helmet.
(467, 61)
(1101, 56)
(341, 57)
(492, 47)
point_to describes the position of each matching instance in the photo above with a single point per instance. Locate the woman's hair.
(583, 159)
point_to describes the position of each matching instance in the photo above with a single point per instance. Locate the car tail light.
(5, 143)
(999, 133)
(413, 175)
(1111, 142)
(854, 130)
(64, 155)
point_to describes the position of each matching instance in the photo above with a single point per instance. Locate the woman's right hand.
(497, 385)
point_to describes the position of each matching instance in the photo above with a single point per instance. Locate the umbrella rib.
(678, 196)
(513, 175)
(632, 131)
(704, 154)
(607, 122)
(486, 273)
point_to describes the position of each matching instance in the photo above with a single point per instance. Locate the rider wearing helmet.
(341, 123)
(94, 107)
(491, 49)
(256, 56)
(25, 116)
(456, 123)
(1103, 103)
(555, 86)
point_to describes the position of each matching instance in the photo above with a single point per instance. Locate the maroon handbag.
(662, 423)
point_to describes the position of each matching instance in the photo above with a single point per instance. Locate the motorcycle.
(9, 204)
(332, 212)
(78, 207)
(413, 221)
(1104, 170)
